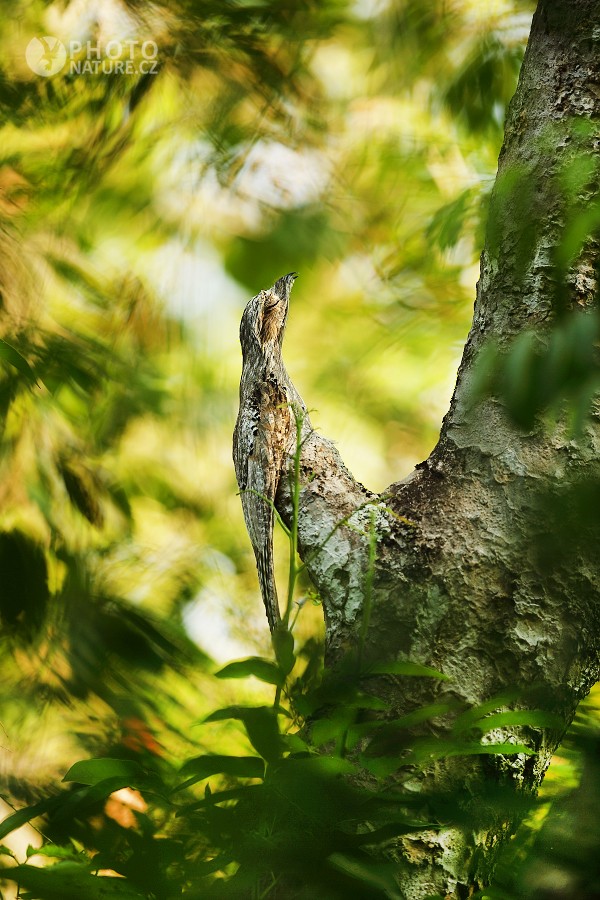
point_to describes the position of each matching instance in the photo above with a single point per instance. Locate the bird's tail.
(266, 577)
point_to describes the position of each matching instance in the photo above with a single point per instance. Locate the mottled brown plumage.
(265, 431)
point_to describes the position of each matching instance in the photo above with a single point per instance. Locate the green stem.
(366, 615)
(293, 535)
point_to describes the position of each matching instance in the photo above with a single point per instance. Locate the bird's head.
(264, 317)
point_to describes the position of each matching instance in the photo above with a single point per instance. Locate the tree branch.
(467, 576)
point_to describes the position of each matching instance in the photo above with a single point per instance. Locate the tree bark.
(461, 579)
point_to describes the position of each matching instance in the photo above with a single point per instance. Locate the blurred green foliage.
(285, 821)
(353, 142)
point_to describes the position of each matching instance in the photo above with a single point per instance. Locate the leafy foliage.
(262, 816)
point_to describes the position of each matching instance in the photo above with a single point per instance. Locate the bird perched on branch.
(265, 431)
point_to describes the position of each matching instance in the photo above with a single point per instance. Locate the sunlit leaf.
(261, 727)
(54, 851)
(91, 771)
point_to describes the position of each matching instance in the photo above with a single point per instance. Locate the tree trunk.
(464, 577)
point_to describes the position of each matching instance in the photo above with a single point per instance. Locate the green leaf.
(55, 851)
(438, 749)
(92, 771)
(263, 669)
(261, 727)
(390, 732)
(22, 816)
(295, 744)
(11, 356)
(71, 881)
(226, 712)
(534, 718)
(283, 644)
(470, 717)
(503, 749)
(80, 801)
(331, 728)
(404, 668)
(215, 764)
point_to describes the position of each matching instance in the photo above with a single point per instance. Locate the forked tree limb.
(461, 583)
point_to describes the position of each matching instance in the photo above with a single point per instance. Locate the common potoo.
(265, 431)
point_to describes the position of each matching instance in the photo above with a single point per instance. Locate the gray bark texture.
(459, 581)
